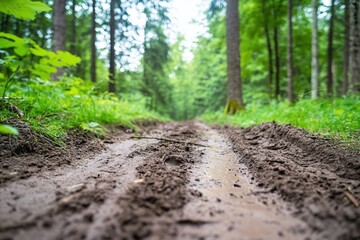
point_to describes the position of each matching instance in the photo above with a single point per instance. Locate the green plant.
(339, 118)
(7, 129)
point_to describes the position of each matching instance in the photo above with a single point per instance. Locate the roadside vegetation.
(336, 118)
(53, 108)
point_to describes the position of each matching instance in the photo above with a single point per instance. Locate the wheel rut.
(231, 204)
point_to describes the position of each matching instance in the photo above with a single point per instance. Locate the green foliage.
(23, 9)
(7, 129)
(24, 53)
(338, 117)
(53, 108)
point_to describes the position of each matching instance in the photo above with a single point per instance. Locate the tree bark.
(234, 90)
(59, 27)
(93, 42)
(112, 48)
(355, 46)
(315, 55)
(73, 28)
(346, 53)
(330, 80)
(269, 49)
(276, 49)
(290, 55)
(277, 63)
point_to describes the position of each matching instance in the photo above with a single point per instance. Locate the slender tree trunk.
(73, 28)
(277, 63)
(355, 46)
(346, 54)
(277, 54)
(269, 49)
(315, 55)
(234, 98)
(112, 48)
(93, 42)
(59, 25)
(330, 80)
(290, 55)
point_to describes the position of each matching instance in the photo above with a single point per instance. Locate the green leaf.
(8, 40)
(5, 43)
(23, 9)
(7, 129)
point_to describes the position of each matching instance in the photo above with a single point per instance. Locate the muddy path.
(183, 181)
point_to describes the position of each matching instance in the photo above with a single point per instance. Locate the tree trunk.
(346, 54)
(277, 63)
(330, 80)
(234, 91)
(355, 46)
(290, 55)
(315, 55)
(59, 25)
(93, 42)
(73, 28)
(277, 54)
(112, 48)
(269, 49)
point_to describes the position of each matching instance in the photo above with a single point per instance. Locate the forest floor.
(179, 181)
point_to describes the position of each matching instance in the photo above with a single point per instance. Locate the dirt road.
(180, 181)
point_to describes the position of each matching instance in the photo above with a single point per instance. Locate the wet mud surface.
(320, 179)
(180, 181)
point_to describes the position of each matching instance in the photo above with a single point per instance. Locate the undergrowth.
(52, 108)
(338, 118)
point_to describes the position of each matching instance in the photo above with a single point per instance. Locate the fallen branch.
(169, 140)
(352, 199)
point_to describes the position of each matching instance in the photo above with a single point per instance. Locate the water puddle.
(232, 205)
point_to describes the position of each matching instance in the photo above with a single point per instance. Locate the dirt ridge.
(306, 171)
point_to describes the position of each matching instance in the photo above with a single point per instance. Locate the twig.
(352, 198)
(169, 140)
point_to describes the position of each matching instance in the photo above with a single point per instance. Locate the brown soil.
(179, 181)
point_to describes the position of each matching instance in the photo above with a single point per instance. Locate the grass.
(338, 118)
(53, 108)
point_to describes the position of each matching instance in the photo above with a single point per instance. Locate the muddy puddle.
(232, 206)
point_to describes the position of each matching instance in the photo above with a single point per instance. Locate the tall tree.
(290, 54)
(314, 51)
(112, 87)
(277, 55)
(156, 85)
(73, 28)
(59, 27)
(268, 46)
(234, 91)
(330, 51)
(93, 42)
(355, 45)
(346, 53)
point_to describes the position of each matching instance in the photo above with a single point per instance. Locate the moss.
(233, 106)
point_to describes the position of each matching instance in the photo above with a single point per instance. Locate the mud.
(232, 206)
(31, 153)
(315, 175)
(182, 181)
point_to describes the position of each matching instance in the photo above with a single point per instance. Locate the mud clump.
(314, 174)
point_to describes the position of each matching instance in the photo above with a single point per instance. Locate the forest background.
(72, 66)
